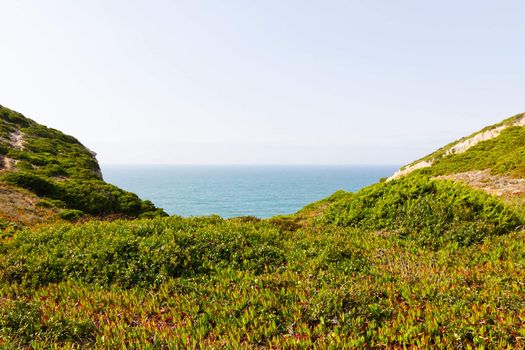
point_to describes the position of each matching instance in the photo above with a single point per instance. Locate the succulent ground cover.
(215, 283)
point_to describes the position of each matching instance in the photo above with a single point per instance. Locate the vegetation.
(60, 170)
(504, 155)
(209, 282)
(440, 153)
(410, 263)
(45, 151)
(431, 212)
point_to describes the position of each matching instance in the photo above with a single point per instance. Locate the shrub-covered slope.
(417, 262)
(499, 148)
(503, 155)
(423, 203)
(431, 212)
(60, 174)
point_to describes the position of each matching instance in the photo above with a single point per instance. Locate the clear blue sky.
(263, 82)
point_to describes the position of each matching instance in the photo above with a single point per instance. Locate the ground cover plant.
(215, 283)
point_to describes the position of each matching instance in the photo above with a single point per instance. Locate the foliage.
(141, 252)
(8, 228)
(25, 324)
(91, 196)
(214, 283)
(40, 185)
(504, 154)
(71, 214)
(58, 168)
(46, 151)
(432, 212)
(440, 153)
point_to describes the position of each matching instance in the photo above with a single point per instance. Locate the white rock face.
(484, 136)
(17, 139)
(462, 146)
(497, 185)
(408, 170)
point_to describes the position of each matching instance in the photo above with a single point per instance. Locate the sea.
(235, 190)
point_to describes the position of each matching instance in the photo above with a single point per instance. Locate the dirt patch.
(7, 163)
(20, 206)
(501, 186)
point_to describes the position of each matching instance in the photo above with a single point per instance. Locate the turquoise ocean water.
(229, 191)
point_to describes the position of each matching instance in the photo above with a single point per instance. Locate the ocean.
(229, 191)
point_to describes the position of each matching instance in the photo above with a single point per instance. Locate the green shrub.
(71, 214)
(143, 252)
(21, 322)
(90, 196)
(51, 203)
(432, 212)
(40, 185)
(99, 198)
(4, 148)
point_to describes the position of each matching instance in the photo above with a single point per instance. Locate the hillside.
(499, 148)
(419, 261)
(45, 174)
(491, 159)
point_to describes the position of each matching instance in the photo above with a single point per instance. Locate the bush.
(142, 252)
(4, 148)
(433, 212)
(40, 185)
(100, 198)
(51, 203)
(22, 321)
(90, 196)
(71, 214)
(503, 154)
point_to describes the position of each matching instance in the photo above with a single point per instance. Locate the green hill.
(419, 261)
(45, 173)
(499, 148)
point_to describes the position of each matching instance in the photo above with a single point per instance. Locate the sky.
(263, 82)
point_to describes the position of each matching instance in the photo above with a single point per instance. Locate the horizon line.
(249, 164)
